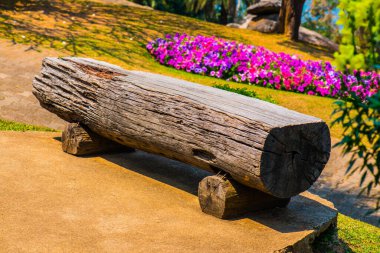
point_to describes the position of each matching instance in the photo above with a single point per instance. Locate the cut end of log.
(294, 157)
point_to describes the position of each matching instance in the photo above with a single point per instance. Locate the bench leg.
(225, 198)
(79, 140)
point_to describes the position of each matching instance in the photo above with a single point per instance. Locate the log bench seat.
(262, 154)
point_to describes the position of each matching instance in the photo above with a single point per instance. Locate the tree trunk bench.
(255, 145)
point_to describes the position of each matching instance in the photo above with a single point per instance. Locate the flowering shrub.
(256, 65)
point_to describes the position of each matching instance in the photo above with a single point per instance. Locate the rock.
(273, 17)
(317, 39)
(243, 24)
(265, 7)
(263, 25)
(234, 25)
(247, 20)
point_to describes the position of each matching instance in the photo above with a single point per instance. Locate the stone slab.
(55, 202)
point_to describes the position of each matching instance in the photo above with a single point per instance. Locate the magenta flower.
(256, 65)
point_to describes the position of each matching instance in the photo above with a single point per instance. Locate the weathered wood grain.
(79, 140)
(225, 198)
(261, 145)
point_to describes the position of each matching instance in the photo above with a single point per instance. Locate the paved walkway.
(18, 66)
(55, 202)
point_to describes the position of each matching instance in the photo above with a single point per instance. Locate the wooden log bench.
(263, 154)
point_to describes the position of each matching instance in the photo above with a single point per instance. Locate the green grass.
(6, 125)
(350, 235)
(118, 34)
(245, 92)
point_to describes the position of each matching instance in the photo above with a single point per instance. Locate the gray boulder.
(243, 24)
(317, 39)
(265, 7)
(234, 25)
(273, 17)
(263, 25)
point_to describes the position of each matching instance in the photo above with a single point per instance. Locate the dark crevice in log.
(204, 155)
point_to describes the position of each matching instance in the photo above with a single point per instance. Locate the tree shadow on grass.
(329, 241)
(316, 51)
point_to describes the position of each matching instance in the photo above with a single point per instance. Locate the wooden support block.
(79, 140)
(225, 198)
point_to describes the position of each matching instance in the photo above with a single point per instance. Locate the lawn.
(118, 34)
(349, 236)
(6, 125)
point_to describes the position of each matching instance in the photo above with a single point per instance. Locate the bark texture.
(79, 140)
(225, 198)
(290, 18)
(261, 145)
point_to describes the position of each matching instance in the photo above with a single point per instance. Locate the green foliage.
(321, 18)
(6, 125)
(360, 45)
(219, 11)
(244, 92)
(361, 125)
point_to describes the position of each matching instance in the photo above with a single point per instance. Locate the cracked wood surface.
(261, 145)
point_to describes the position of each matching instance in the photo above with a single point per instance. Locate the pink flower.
(256, 65)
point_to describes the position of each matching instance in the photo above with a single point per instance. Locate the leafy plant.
(360, 45)
(361, 124)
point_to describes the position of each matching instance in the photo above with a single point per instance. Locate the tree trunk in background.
(223, 15)
(237, 8)
(290, 18)
(8, 4)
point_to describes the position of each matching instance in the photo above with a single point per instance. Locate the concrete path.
(54, 202)
(18, 66)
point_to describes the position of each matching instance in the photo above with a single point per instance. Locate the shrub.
(360, 47)
(256, 65)
(361, 124)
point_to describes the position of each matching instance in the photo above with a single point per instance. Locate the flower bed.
(230, 60)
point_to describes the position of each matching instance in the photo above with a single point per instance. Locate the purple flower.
(256, 65)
